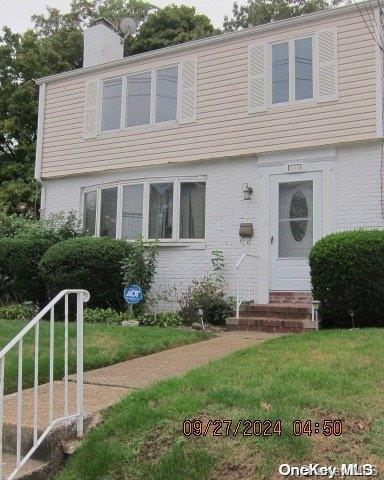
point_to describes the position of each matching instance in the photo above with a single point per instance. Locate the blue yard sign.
(133, 294)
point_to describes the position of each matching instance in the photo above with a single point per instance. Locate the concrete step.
(33, 470)
(270, 310)
(291, 297)
(270, 325)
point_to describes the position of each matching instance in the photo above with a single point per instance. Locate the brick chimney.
(102, 43)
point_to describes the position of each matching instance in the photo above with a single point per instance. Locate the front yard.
(103, 345)
(329, 375)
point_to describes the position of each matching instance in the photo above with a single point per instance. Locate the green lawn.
(103, 345)
(317, 376)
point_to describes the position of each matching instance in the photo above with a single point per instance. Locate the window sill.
(139, 128)
(187, 244)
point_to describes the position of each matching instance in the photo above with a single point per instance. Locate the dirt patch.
(155, 445)
(239, 462)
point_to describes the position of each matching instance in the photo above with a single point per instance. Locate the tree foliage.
(258, 12)
(54, 45)
(170, 26)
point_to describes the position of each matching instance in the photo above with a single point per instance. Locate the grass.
(103, 345)
(317, 376)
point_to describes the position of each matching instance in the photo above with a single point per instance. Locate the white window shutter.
(91, 109)
(257, 89)
(327, 67)
(188, 91)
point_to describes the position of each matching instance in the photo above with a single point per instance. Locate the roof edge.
(204, 41)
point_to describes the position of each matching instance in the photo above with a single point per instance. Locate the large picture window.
(292, 70)
(167, 211)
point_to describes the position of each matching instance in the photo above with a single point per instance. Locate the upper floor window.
(292, 70)
(139, 107)
(111, 108)
(139, 99)
(166, 94)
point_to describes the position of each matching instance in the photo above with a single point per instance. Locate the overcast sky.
(17, 13)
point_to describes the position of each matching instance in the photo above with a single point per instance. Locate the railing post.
(80, 367)
(238, 294)
(2, 361)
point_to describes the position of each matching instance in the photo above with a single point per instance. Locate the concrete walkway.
(105, 386)
(102, 388)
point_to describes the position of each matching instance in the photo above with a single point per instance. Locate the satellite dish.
(128, 26)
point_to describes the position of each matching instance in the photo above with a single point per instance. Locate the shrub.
(18, 311)
(19, 260)
(161, 320)
(139, 267)
(89, 263)
(347, 271)
(102, 315)
(209, 295)
(56, 228)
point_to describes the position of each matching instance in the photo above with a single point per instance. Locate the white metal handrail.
(238, 265)
(17, 342)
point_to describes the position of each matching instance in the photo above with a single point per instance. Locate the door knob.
(271, 240)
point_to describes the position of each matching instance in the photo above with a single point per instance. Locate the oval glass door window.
(299, 212)
(295, 219)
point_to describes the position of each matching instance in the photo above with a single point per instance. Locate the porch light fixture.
(247, 191)
(200, 314)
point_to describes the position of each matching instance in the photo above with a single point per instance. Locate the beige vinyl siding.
(224, 128)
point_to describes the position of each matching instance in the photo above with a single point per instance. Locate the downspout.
(40, 139)
(379, 70)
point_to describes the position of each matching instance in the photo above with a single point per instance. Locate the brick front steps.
(287, 312)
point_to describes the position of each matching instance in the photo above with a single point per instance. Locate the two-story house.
(278, 127)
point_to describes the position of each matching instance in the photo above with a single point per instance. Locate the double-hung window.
(111, 104)
(169, 210)
(292, 70)
(150, 97)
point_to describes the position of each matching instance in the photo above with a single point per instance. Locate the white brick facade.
(358, 187)
(357, 184)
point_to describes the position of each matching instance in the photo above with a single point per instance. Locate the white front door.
(296, 223)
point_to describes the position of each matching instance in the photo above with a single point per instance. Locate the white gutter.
(205, 41)
(40, 131)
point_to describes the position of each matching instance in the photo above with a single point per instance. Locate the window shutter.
(327, 68)
(91, 110)
(257, 94)
(188, 91)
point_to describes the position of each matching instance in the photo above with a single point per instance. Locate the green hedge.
(93, 264)
(19, 272)
(347, 271)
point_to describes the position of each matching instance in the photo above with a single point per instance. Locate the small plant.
(139, 267)
(18, 311)
(218, 265)
(208, 293)
(161, 320)
(205, 293)
(103, 315)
